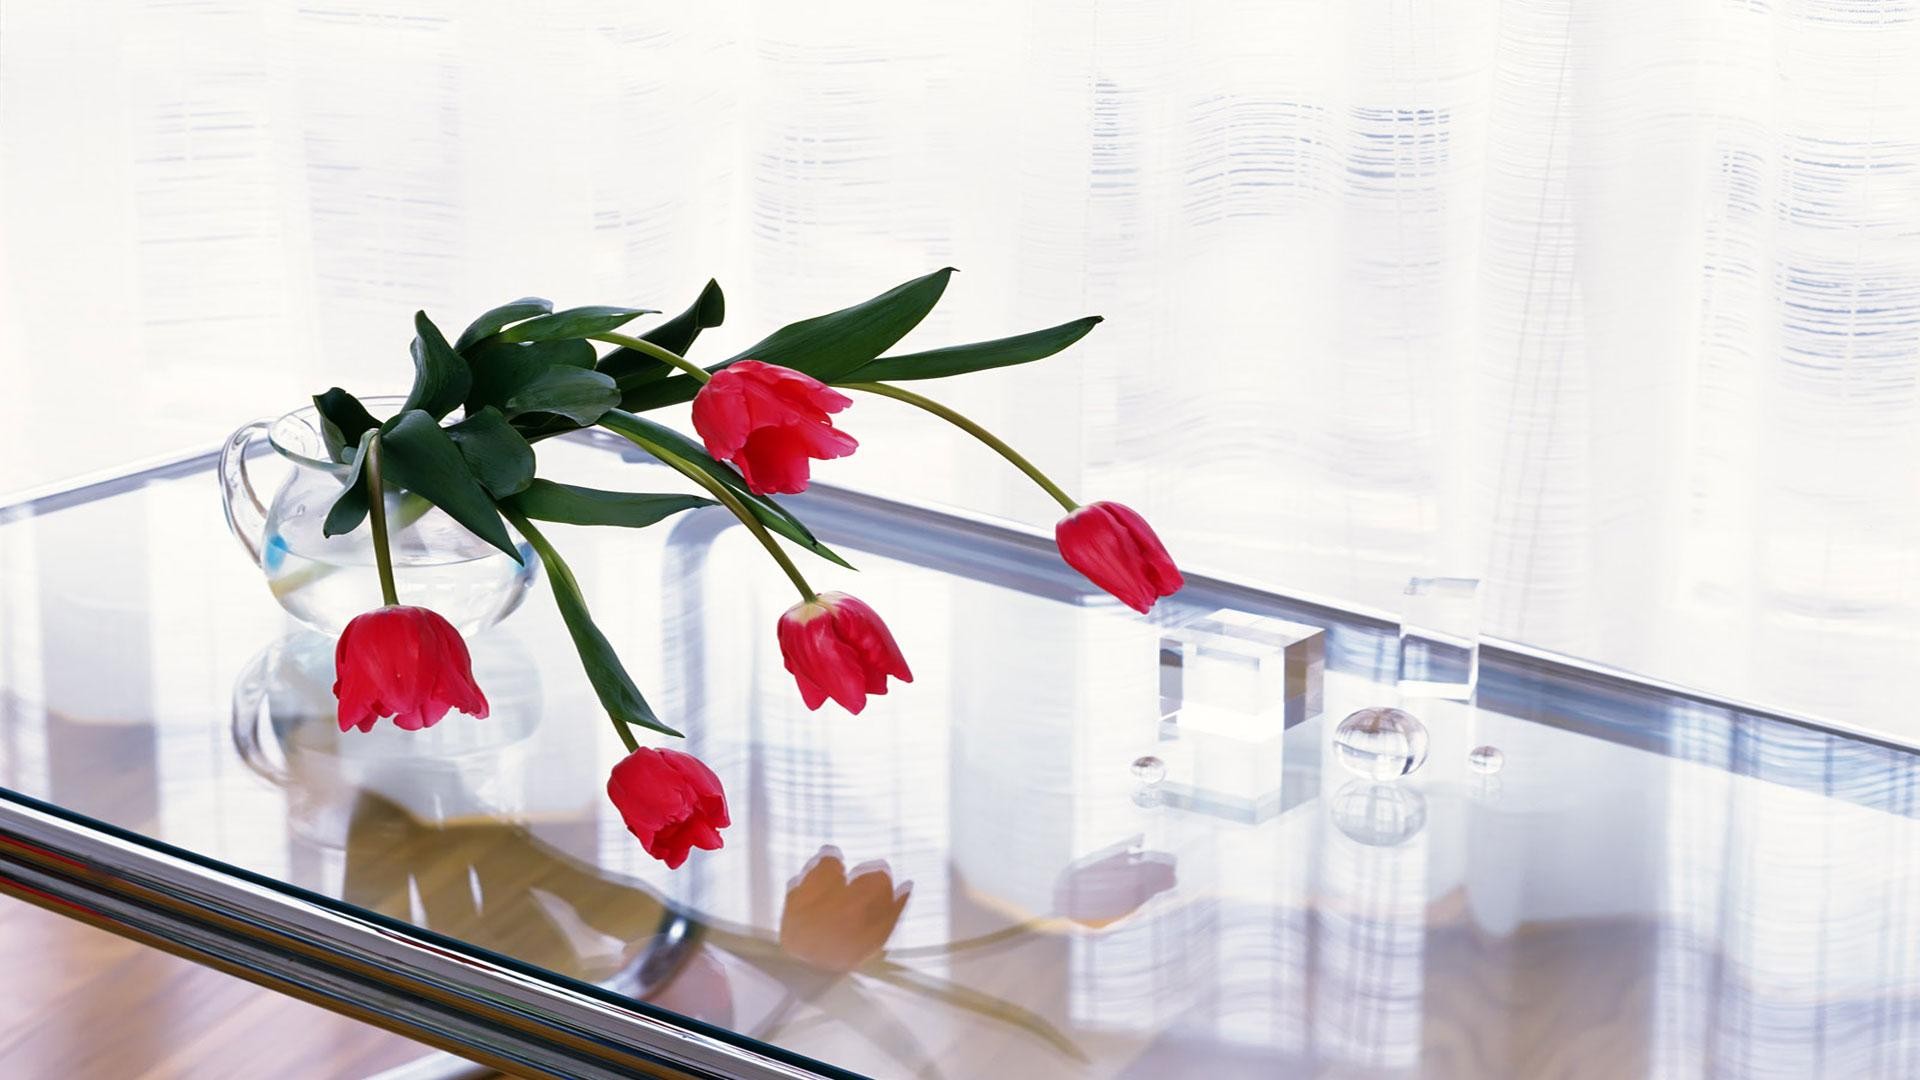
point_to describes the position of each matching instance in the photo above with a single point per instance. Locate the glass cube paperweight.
(1232, 685)
(1440, 638)
(1241, 672)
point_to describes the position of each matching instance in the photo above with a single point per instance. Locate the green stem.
(731, 502)
(1005, 933)
(563, 577)
(665, 356)
(964, 424)
(377, 518)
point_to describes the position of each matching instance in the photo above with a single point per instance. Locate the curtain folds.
(1615, 306)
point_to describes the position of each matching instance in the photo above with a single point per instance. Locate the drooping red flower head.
(837, 647)
(1117, 550)
(770, 421)
(403, 662)
(671, 802)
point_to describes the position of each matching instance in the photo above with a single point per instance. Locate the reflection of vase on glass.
(324, 581)
(285, 729)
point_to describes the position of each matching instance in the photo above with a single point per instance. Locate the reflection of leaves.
(833, 928)
(413, 871)
(479, 881)
(976, 1002)
(849, 1002)
(822, 989)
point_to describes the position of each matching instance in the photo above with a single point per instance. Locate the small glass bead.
(1486, 760)
(1149, 769)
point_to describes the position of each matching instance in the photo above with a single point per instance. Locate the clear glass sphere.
(1149, 769)
(1381, 743)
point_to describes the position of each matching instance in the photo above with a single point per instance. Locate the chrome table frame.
(512, 1016)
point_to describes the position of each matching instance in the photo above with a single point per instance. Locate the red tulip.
(670, 801)
(403, 662)
(1116, 549)
(770, 421)
(837, 647)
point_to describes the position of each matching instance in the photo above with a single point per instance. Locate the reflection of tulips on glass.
(836, 922)
(464, 441)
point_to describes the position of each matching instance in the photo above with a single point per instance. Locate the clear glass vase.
(324, 581)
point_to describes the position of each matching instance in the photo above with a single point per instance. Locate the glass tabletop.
(1028, 862)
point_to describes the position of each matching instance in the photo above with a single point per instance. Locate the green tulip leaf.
(496, 454)
(440, 376)
(611, 683)
(417, 454)
(579, 395)
(343, 420)
(501, 369)
(630, 368)
(577, 322)
(545, 500)
(350, 509)
(979, 356)
(494, 321)
(826, 347)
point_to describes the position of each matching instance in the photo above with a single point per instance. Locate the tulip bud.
(1116, 549)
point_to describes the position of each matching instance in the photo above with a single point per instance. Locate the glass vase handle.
(246, 514)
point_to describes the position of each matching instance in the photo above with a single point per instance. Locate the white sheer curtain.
(1615, 305)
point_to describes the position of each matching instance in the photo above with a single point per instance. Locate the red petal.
(814, 652)
(720, 415)
(1094, 543)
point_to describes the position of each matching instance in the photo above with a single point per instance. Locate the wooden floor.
(78, 1003)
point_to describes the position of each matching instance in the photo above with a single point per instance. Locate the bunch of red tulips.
(769, 421)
